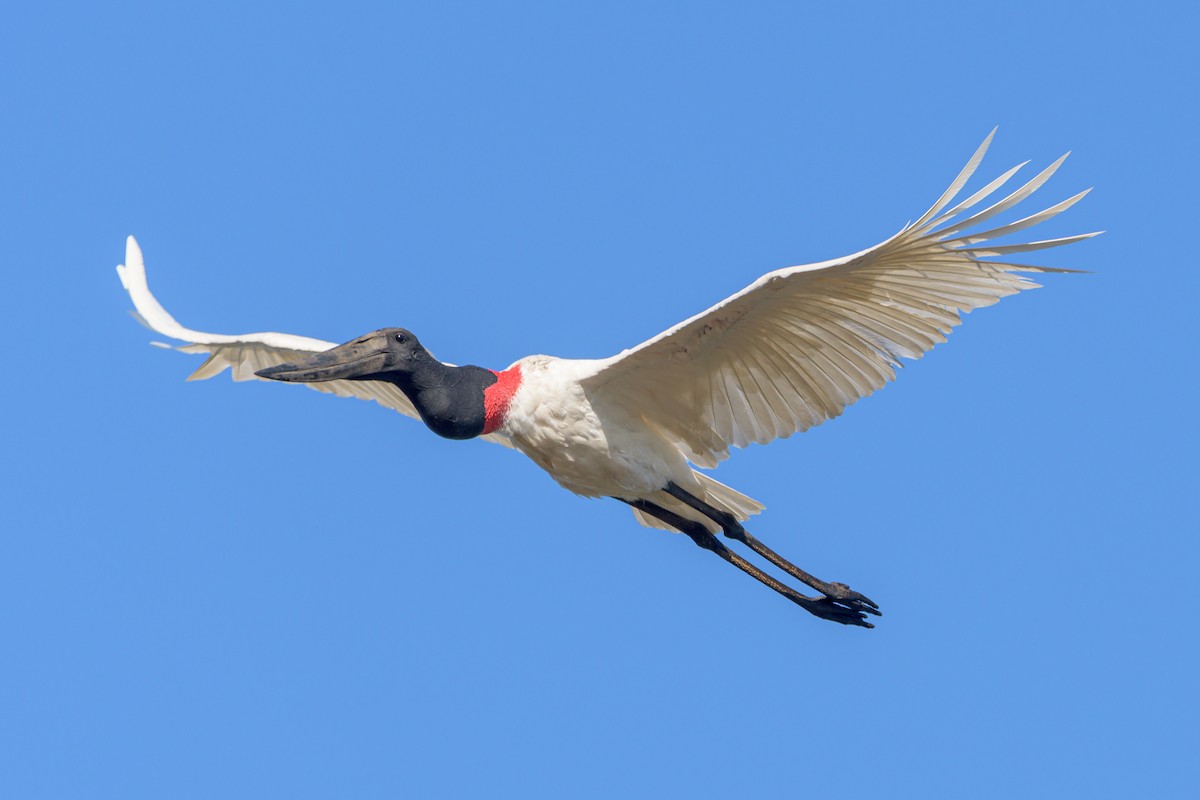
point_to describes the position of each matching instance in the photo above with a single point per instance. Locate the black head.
(379, 355)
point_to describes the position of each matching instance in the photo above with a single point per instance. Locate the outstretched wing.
(801, 344)
(247, 353)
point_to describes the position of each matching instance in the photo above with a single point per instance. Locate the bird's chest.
(590, 451)
(553, 423)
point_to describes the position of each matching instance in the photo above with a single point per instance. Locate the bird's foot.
(827, 609)
(843, 594)
(843, 604)
(845, 612)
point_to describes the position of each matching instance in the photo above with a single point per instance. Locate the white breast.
(595, 450)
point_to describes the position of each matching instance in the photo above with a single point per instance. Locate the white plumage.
(788, 352)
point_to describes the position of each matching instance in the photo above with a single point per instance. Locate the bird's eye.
(401, 338)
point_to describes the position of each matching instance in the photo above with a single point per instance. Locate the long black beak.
(366, 355)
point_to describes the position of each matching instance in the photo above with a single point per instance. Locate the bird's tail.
(715, 494)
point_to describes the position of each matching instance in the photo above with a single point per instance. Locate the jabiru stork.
(790, 351)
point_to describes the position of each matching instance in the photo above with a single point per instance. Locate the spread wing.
(247, 353)
(801, 344)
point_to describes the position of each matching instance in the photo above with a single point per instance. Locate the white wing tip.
(134, 267)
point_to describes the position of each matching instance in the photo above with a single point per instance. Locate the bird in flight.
(791, 350)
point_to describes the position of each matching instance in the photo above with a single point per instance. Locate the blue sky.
(247, 590)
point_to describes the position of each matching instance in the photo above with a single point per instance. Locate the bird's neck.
(459, 402)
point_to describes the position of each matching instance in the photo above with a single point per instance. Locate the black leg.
(824, 607)
(734, 530)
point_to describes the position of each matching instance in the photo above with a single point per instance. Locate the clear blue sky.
(250, 590)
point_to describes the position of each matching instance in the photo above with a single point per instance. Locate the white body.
(789, 351)
(601, 449)
(591, 451)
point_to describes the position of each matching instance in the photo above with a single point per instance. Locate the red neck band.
(497, 397)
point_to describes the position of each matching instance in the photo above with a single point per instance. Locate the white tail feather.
(715, 494)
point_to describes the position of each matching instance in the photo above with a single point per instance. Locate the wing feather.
(787, 379)
(799, 345)
(982, 194)
(1029, 188)
(959, 182)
